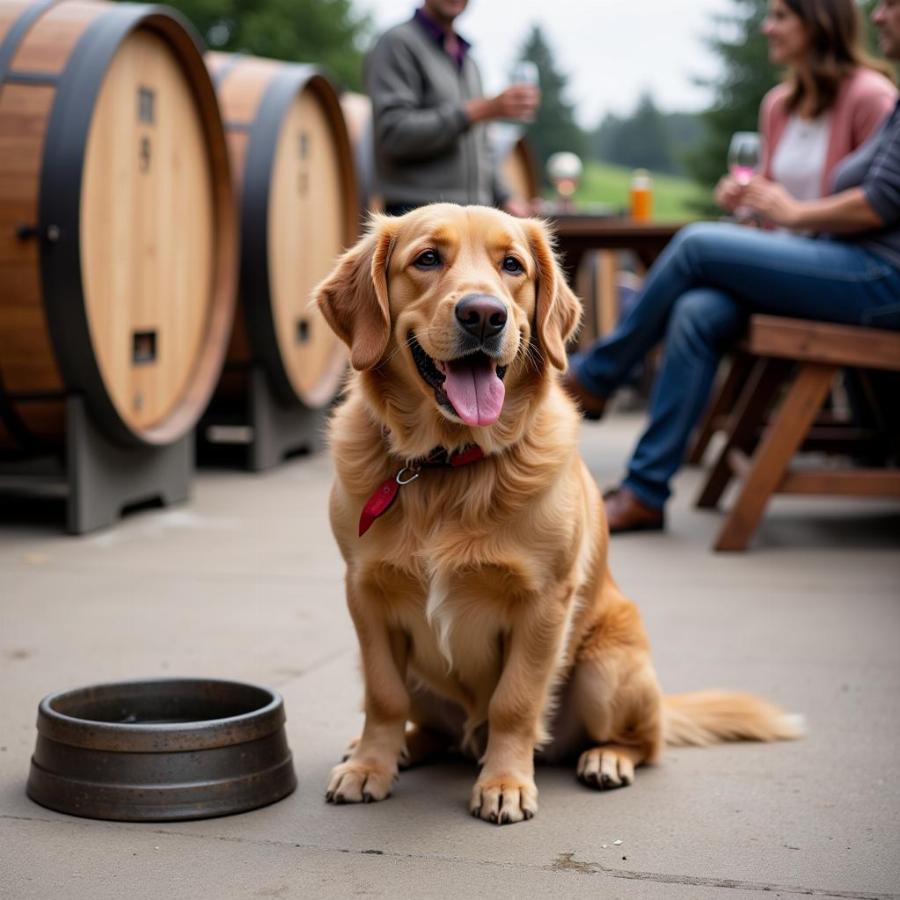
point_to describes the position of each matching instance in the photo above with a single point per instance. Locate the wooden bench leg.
(781, 441)
(722, 405)
(749, 414)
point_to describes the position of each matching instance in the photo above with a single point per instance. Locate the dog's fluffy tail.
(711, 717)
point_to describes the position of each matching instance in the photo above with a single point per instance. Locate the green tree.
(647, 138)
(746, 76)
(641, 140)
(326, 32)
(554, 127)
(602, 140)
(686, 131)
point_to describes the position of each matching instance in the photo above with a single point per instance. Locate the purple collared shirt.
(439, 36)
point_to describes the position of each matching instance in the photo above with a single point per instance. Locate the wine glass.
(526, 72)
(744, 156)
(744, 159)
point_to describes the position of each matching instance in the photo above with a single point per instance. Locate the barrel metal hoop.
(24, 77)
(59, 205)
(17, 32)
(255, 286)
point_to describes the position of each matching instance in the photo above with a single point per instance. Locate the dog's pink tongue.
(474, 389)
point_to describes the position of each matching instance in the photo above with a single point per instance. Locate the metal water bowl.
(161, 750)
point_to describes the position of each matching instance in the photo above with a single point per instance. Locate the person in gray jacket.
(429, 115)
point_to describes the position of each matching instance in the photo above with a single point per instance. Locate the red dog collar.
(383, 498)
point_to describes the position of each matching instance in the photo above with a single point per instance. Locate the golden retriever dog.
(473, 534)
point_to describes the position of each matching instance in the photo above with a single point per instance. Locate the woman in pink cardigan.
(832, 100)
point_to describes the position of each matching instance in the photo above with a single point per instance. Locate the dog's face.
(459, 302)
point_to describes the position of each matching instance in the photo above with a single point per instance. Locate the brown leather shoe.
(592, 406)
(625, 512)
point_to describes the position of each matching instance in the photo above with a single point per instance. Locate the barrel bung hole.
(143, 347)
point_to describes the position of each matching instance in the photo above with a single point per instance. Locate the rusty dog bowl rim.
(159, 801)
(135, 737)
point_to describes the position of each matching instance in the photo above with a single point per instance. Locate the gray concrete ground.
(245, 583)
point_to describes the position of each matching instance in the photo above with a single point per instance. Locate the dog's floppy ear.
(558, 309)
(354, 297)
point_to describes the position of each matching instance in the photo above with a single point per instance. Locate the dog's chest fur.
(456, 611)
(458, 635)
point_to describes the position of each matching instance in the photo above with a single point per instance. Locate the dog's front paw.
(358, 782)
(504, 799)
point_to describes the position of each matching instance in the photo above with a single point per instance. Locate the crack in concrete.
(565, 863)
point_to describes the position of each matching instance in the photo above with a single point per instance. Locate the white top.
(799, 160)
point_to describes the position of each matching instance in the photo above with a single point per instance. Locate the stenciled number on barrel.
(147, 115)
(147, 105)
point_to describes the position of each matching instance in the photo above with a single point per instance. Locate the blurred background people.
(430, 113)
(713, 276)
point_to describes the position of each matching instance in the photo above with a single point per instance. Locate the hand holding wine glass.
(518, 103)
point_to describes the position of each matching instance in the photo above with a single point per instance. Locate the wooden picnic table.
(577, 234)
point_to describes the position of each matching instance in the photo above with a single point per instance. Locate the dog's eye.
(427, 259)
(512, 265)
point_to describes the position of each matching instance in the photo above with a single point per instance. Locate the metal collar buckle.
(413, 471)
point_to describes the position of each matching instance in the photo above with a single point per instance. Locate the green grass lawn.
(609, 185)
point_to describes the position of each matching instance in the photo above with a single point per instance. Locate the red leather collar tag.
(386, 493)
(378, 504)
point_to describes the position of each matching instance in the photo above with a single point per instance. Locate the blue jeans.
(698, 297)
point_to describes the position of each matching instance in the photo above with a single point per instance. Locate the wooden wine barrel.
(118, 235)
(519, 170)
(299, 209)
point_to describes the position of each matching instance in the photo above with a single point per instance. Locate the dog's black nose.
(481, 315)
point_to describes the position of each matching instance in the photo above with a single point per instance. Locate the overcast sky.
(610, 49)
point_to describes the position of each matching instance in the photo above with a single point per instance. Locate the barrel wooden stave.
(53, 37)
